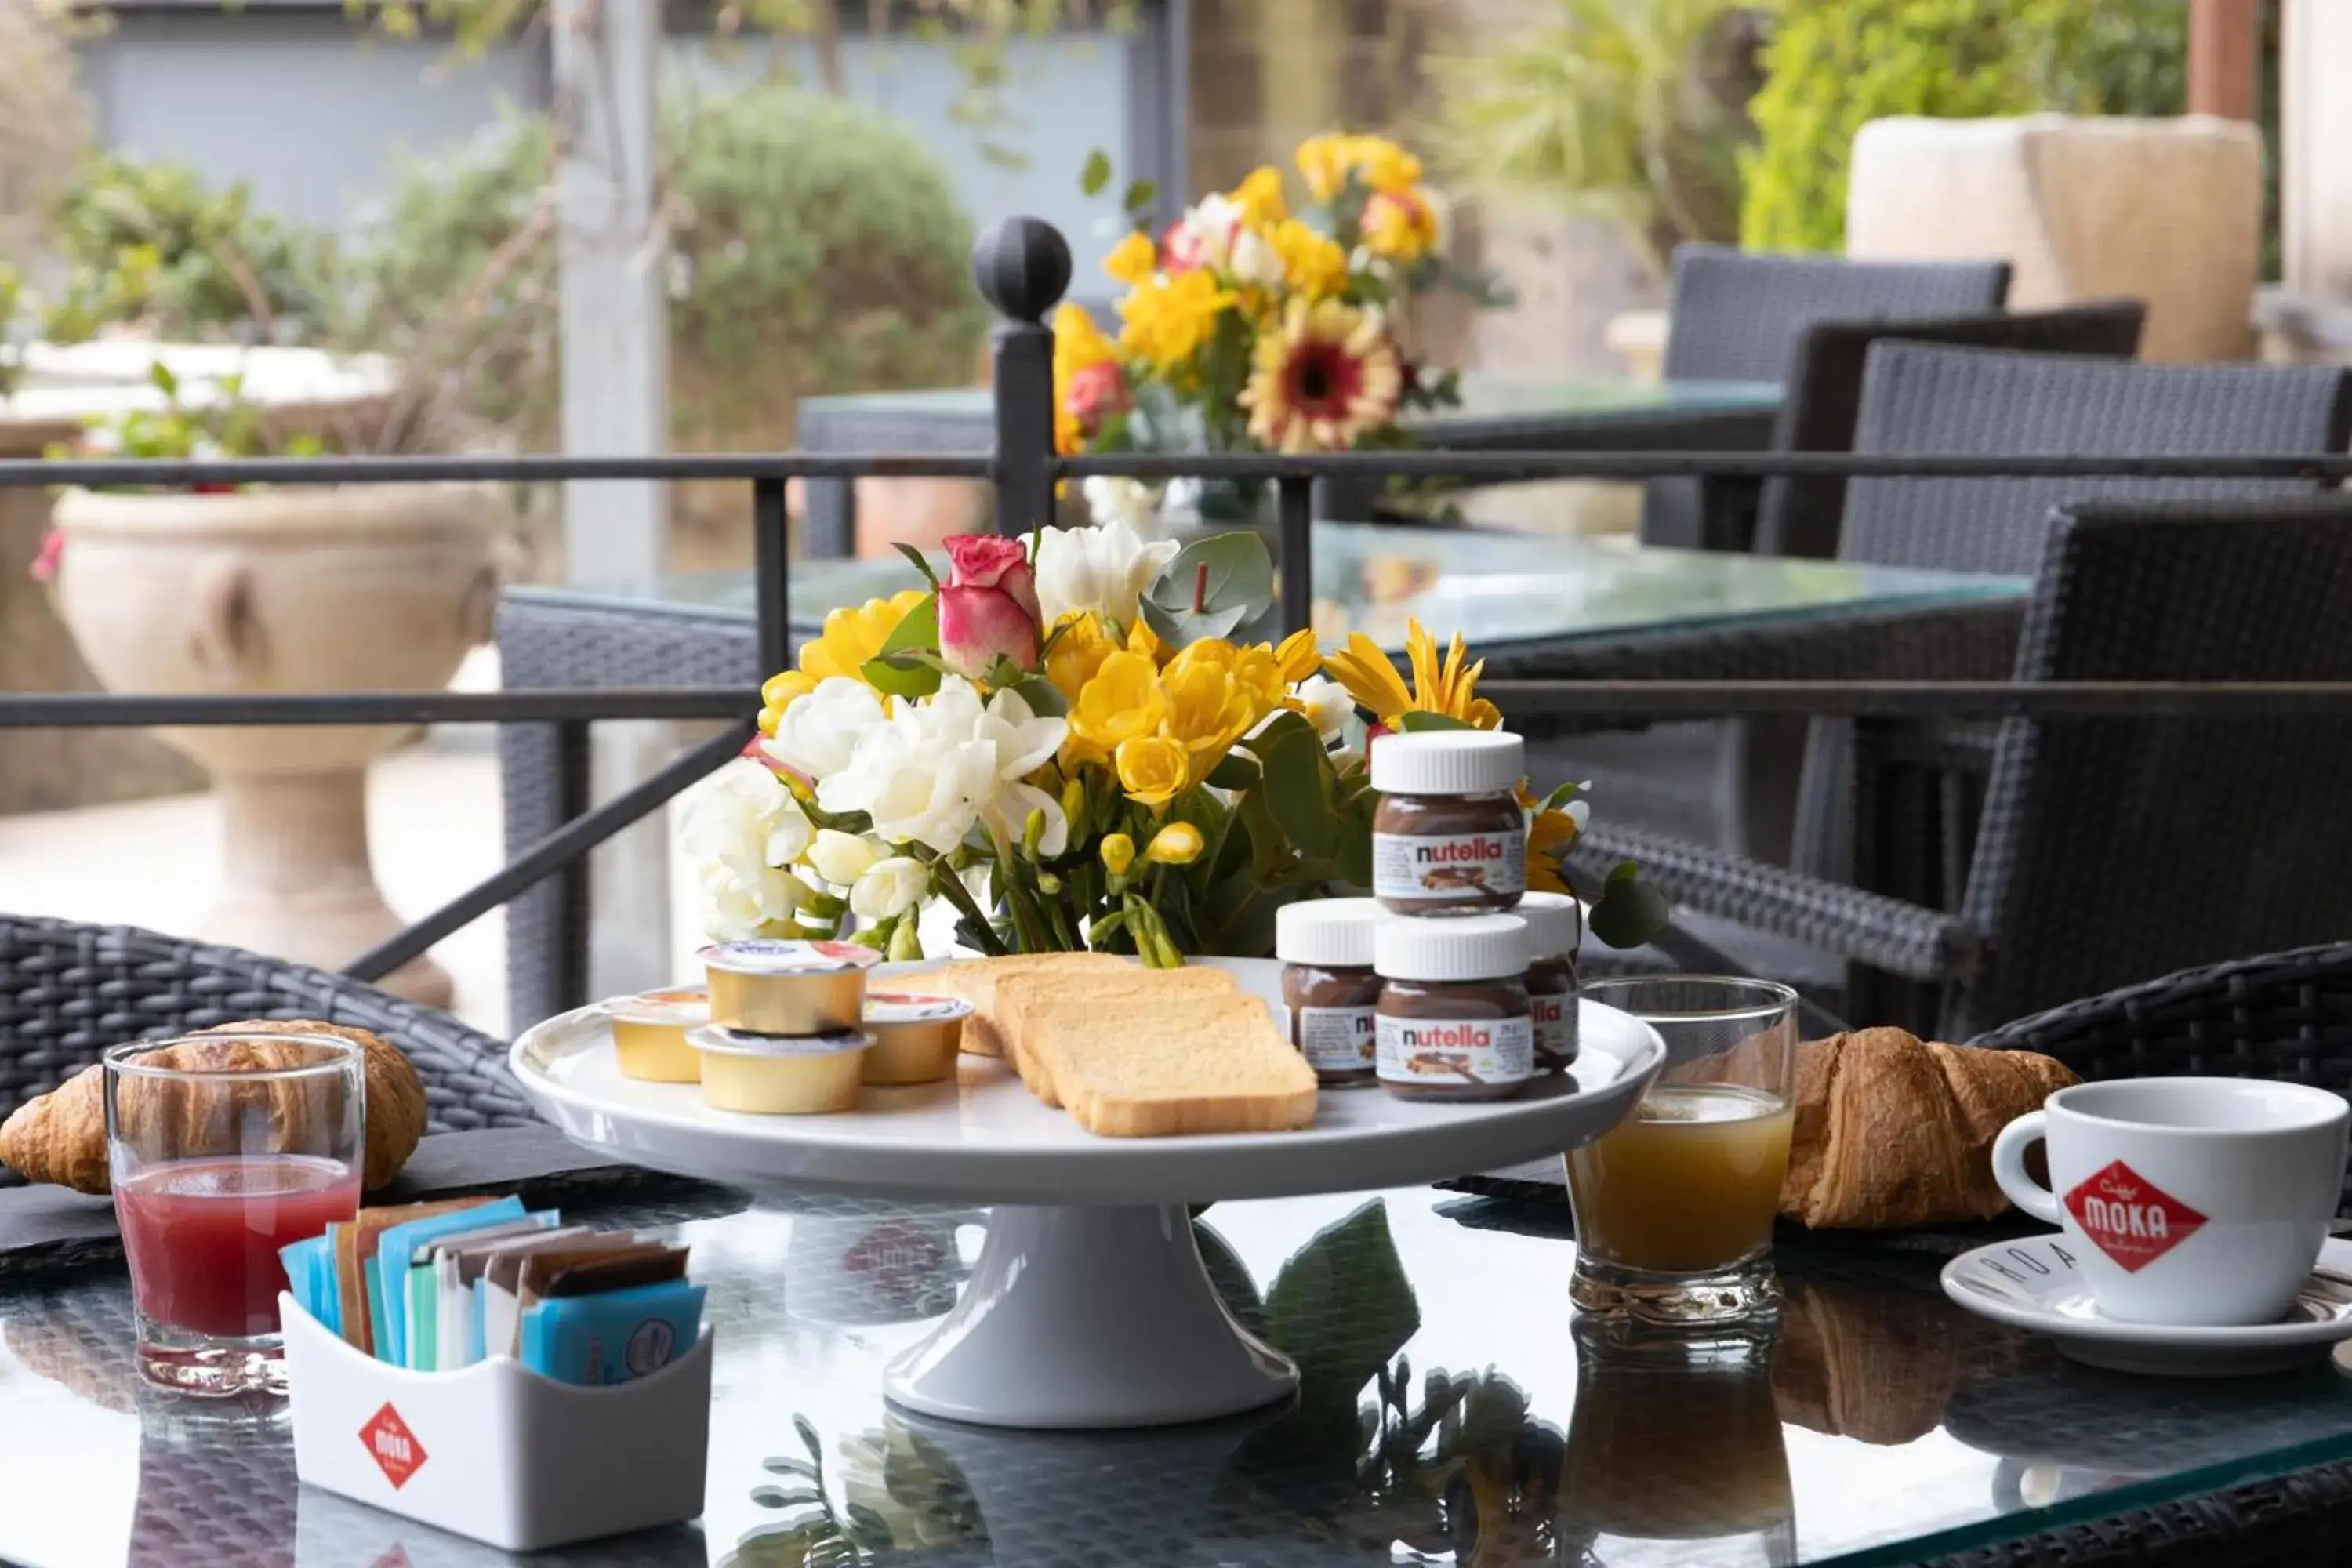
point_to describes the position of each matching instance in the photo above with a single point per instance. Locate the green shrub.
(1833, 65)
(815, 248)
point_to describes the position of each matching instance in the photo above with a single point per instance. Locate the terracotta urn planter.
(364, 588)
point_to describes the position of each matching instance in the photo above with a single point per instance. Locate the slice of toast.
(975, 981)
(1147, 1065)
(1018, 994)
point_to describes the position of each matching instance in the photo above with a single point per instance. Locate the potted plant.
(275, 588)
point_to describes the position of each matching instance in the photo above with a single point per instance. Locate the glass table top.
(1485, 399)
(1496, 589)
(1447, 1414)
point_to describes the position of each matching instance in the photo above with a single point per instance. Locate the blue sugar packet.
(308, 1264)
(395, 1251)
(617, 1337)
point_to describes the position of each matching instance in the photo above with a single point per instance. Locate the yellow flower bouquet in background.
(1251, 325)
(1073, 741)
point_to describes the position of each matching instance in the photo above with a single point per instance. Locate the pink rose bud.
(43, 569)
(1179, 249)
(1096, 393)
(987, 606)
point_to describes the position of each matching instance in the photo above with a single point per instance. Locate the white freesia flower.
(1113, 498)
(1022, 743)
(815, 734)
(744, 830)
(1251, 260)
(1101, 569)
(1211, 224)
(939, 767)
(889, 888)
(840, 857)
(1328, 706)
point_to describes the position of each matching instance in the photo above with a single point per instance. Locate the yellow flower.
(851, 637)
(1383, 165)
(1260, 198)
(1327, 162)
(1448, 687)
(1118, 853)
(1152, 769)
(1132, 259)
(1324, 162)
(1078, 345)
(1077, 652)
(1167, 320)
(1142, 640)
(1178, 844)
(1400, 224)
(1121, 702)
(1312, 264)
(1327, 377)
(1208, 710)
(1551, 837)
(1298, 655)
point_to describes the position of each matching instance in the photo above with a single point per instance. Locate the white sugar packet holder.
(494, 1451)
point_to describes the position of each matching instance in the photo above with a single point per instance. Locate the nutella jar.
(1555, 926)
(1453, 1021)
(1329, 990)
(1449, 837)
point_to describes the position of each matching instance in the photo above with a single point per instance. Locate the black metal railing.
(1022, 267)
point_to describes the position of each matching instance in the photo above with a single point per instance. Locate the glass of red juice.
(222, 1149)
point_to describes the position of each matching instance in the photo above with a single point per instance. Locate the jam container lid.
(911, 1008)
(744, 1042)
(1448, 762)
(772, 955)
(1335, 933)
(1554, 925)
(1467, 947)
(678, 1004)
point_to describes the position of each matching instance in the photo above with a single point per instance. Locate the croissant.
(1892, 1132)
(61, 1137)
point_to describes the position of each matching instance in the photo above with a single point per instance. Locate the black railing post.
(771, 574)
(1022, 264)
(1296, 564)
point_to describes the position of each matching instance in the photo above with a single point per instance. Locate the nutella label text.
(1450, 866)
(1440, 1051)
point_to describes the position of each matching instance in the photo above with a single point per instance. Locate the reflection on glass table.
(1447, 1413)
(1496, 589)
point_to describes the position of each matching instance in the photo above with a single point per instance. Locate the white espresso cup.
(2194, 1200)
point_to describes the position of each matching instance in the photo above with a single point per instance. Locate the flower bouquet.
(1065, 742)
(1247, 326)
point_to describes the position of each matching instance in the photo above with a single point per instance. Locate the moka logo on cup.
(2128, 1218)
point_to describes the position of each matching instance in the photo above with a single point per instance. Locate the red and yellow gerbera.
(1323, 380)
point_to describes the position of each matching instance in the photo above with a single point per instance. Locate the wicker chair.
(2111, 849)
(69, 991)
(1735, 315)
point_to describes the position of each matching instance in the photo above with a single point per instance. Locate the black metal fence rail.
(1022, 267)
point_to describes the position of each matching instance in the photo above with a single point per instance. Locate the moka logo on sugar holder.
(2130, 1218)
(393, 1447)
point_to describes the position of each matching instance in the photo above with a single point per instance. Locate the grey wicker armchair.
(69, 990)
(2110, 849)
(1735, 315)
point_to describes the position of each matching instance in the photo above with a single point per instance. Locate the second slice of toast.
(1018, 996)
(1150, 1063)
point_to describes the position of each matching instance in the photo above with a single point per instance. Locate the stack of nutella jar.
(1452, 981)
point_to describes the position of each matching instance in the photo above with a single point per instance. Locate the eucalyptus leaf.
(1044, 698)
(1179, 629)
(1095, 177)
(1210, 587)
(1629, 911)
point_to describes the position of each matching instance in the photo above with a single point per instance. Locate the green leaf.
(1629, 911)
(922, 563)
(1211, 587)
(918, 631)
(1355, 853)
(164, 381)
(1096, 176)
(1342, 1306)
(1415, 720)
(1140, 197)
(1044, 698)
(1564, 793)
(900, 675)
(1235, 769)
(1296, 767)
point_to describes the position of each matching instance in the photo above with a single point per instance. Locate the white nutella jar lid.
(1448, 762)
(1555, 924)
(1465, 947)
(1336, 934)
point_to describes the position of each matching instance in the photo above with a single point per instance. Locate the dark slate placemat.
(49, 1230)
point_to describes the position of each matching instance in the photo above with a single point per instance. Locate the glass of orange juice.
(1675, 1206)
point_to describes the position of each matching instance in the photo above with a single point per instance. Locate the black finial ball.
(1022, 266)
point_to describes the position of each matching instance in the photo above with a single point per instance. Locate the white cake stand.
(1088, 1306)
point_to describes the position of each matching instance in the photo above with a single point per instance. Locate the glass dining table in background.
(1449, 1411)
(1496, 414)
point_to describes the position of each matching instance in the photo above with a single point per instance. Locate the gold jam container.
(773, 987)
(915, 1038)
(649, 1034)
(781, 1075)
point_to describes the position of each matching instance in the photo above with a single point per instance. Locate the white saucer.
(2033, 1284)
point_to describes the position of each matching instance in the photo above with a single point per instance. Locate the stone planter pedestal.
(365, 588)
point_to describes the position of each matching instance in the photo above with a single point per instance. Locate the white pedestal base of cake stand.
(1089, 1318)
